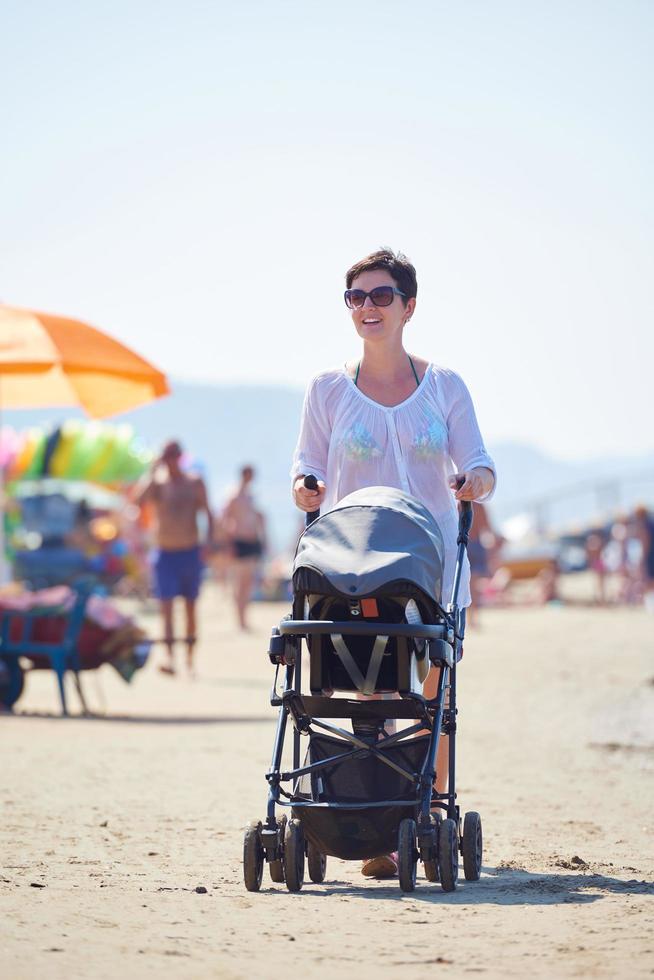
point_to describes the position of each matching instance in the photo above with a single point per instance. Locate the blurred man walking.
(177, 498)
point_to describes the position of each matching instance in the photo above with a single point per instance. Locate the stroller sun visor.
(371, 538)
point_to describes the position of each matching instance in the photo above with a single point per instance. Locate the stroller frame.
(433, 832)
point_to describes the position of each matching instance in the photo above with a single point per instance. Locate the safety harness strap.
(367, 684)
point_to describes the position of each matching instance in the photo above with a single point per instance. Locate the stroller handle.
(311, 483)
(465, 518)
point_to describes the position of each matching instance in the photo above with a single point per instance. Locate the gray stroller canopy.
(371, 538)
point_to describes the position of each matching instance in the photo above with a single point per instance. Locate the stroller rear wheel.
(472, 846)
(317, 863)
(276, 867)
(294, 856)
(253, 858)
(407, 855)
(448, 854)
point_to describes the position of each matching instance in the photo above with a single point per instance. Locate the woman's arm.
(474, 466)
(312, 450)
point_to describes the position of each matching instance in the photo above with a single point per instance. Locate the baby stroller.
(364, 580)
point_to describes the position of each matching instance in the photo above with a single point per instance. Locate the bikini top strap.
(413, 368)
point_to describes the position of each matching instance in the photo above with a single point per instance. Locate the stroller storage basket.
(362, 798)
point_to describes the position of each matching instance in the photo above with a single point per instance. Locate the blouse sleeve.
(467, 448)
(312, 447)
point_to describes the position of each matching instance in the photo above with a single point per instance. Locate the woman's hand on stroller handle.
(306, 499)
(473, 484)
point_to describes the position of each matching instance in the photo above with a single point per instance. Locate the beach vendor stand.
(65, 491)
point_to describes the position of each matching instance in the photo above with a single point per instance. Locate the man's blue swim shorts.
(178, 573)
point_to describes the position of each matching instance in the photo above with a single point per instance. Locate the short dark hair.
(395, 263)
(172, 448)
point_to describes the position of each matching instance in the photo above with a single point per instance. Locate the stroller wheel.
(448, 855)
(317, 863)
(253, 857)
(431, 864)
(12, 681)
(473, 846)
(294, 856)
(407, 855)
(276, 867)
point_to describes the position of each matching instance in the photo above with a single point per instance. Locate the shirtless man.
(245, 526)
(177, 499)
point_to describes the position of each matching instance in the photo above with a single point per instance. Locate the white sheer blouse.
(350, 441)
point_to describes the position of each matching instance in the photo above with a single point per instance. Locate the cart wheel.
(431, 864)
(472, 846)
(12, 681)
(317, 863)
(407, 855)
(276, 867)
(253, 859)
(448, 855)
(294, 856)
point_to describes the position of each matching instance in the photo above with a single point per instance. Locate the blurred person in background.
(483, 550)
(245, 528)
(177, 498)
(595, 544)
(616, 557)
(644, 531)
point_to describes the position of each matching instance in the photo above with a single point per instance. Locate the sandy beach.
(110, 825)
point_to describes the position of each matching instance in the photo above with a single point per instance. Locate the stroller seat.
(364, 664)
(376, 558)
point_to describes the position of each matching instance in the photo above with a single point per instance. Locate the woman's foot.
(383, 866)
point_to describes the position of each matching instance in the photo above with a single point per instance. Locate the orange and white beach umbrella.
(50, 361)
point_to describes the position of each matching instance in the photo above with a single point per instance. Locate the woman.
(392, 419)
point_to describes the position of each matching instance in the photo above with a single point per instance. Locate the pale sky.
(195, 178)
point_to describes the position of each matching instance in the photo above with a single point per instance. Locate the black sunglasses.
(379, 296)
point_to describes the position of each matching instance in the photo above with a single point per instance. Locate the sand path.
(109, 825)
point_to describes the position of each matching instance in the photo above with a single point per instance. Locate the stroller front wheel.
(253, 857)
(431, 862)
(448, 855)
(473, 846)
(294, 856)
(407, 855)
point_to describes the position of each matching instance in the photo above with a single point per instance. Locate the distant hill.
(225, 426)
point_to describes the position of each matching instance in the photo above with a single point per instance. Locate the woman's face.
(380, 322)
